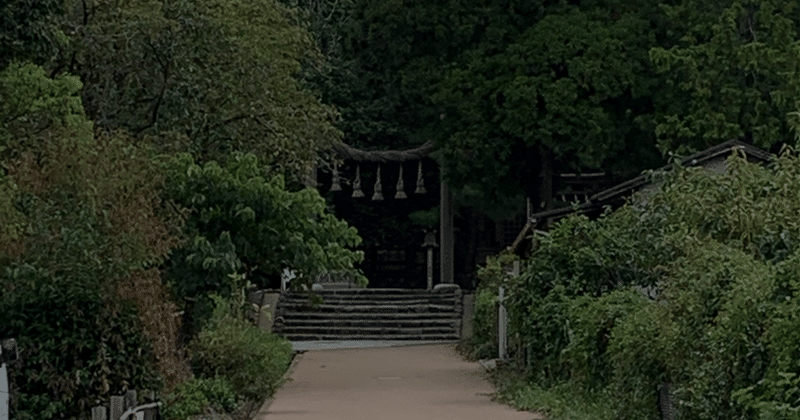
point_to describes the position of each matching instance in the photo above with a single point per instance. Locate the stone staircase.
(370, 314)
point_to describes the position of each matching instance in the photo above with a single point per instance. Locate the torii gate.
(446, 238)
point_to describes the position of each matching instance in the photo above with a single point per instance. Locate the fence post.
(99, 413)
(130, 399)
(116, 407)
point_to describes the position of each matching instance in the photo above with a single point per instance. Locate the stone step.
(382, 308)
(370, 315)
(378, 323)
(368, 330)
(372, 301)
(339, 286)
(363, 294)
(367, 337)
(374, 292)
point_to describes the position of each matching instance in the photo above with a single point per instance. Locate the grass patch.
(563, 401)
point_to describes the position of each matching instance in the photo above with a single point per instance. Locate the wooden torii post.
(446, 238)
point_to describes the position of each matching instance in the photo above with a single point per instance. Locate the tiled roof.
(627, 188)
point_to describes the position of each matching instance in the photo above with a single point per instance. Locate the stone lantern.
(430, 243)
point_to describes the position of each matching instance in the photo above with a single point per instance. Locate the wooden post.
(446, 229)
(117, 407)
(430, 268)
(149, 395)
(99, 413)
(130, 399)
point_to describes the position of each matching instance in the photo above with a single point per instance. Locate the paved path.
(423, 382)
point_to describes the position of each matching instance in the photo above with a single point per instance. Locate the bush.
(238, 219)
(483, 342)
(561, 401)
(589, 327)
(716, 255)
(195, 395)
(77, 349)
(251, 360)
(778, 395)
(635, 353)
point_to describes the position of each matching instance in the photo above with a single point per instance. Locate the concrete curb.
(488, 364)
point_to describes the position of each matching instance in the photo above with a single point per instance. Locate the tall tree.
(732, 73)
(204, 76)
(569, 90)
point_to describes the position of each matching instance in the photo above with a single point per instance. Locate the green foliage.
(83, 215)
(77, 347)
(778, 395)
(572, 80)
(693, 283)
(12, 220)
(251, 360)
(195, 395)
(206, 77)
(589, 327)
(428, 219)
(483, 343)
(187, 400)
(28, 30)
(730, 73)
(256, 225)
(705, 335)
(563, 401)
(33, 105)
(635, 352)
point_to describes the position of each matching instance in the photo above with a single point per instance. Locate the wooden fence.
(124, 407)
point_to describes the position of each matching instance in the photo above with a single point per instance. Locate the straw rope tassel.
(420, 182)
(378, 187)
(357, 193)
(335, 185)
(400, 193)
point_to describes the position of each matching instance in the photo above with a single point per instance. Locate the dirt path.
(409, 383)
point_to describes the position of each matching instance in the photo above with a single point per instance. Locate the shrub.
(635, 353)
(192, 397)
(716, 254)
(240, 219)
(778, 395)
(483, 342)
(253, 361)
(77, 349)
(590, 322)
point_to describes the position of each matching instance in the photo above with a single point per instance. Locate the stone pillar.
(446, 241)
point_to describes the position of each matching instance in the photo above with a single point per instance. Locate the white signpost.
(502, 317)
(8, 352)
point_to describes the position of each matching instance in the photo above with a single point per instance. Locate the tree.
(243, 223)
(731, 74)
(206, 77)
(28, 30)
(566, 91)
(88, 222)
